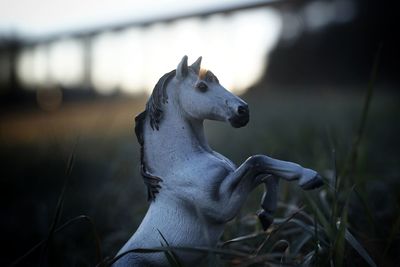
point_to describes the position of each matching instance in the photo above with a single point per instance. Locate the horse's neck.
(176, 139)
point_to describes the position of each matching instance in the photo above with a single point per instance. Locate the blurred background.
(73, 75)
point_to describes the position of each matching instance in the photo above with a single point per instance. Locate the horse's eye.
(202, 86)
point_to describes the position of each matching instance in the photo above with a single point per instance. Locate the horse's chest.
(201, 172)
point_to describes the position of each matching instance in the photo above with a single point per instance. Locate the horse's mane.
(154, 112)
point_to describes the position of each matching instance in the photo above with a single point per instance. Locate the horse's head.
(201, 96)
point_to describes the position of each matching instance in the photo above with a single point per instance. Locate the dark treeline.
(340, 54)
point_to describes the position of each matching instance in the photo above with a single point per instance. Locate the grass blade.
(320, 216)
(281, 225)
(339, 244)
(62, 227)
(307, 259)
(393, 233)
(350, 164)
(309, 229)
(217, 251)
(172, 258)
(359, 248)
(242, 238)
(60, 201)
(316, 241)
(298, 244)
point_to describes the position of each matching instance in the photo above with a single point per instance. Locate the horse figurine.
(194, 191)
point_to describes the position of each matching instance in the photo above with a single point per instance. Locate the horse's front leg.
(250, 174)
(269, 202)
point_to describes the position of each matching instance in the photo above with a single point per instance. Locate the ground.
(298, 125)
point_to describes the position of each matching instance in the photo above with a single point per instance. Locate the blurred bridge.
(32, 63)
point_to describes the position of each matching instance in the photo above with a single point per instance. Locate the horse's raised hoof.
(309, 184)
(265, 218)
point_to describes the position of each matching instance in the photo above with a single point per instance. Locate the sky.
(234, 47)
(43, 17)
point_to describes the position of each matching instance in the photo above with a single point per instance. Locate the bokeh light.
(234, 46)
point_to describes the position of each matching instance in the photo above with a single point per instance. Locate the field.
(88, 151)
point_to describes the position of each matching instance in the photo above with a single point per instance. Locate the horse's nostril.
(242, 110)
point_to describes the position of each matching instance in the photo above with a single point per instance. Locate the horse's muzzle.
(241, 118)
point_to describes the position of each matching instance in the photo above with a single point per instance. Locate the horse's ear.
(182, 69)
(196, 65)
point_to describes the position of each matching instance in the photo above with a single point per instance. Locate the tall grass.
(55, 226)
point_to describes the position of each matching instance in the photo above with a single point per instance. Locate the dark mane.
(154, 112)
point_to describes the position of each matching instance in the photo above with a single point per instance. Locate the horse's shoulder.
(214, 166)
(225, 160)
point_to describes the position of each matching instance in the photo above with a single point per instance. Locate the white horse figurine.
(194, 191)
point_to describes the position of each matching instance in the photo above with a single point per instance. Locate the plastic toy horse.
(194, 191)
